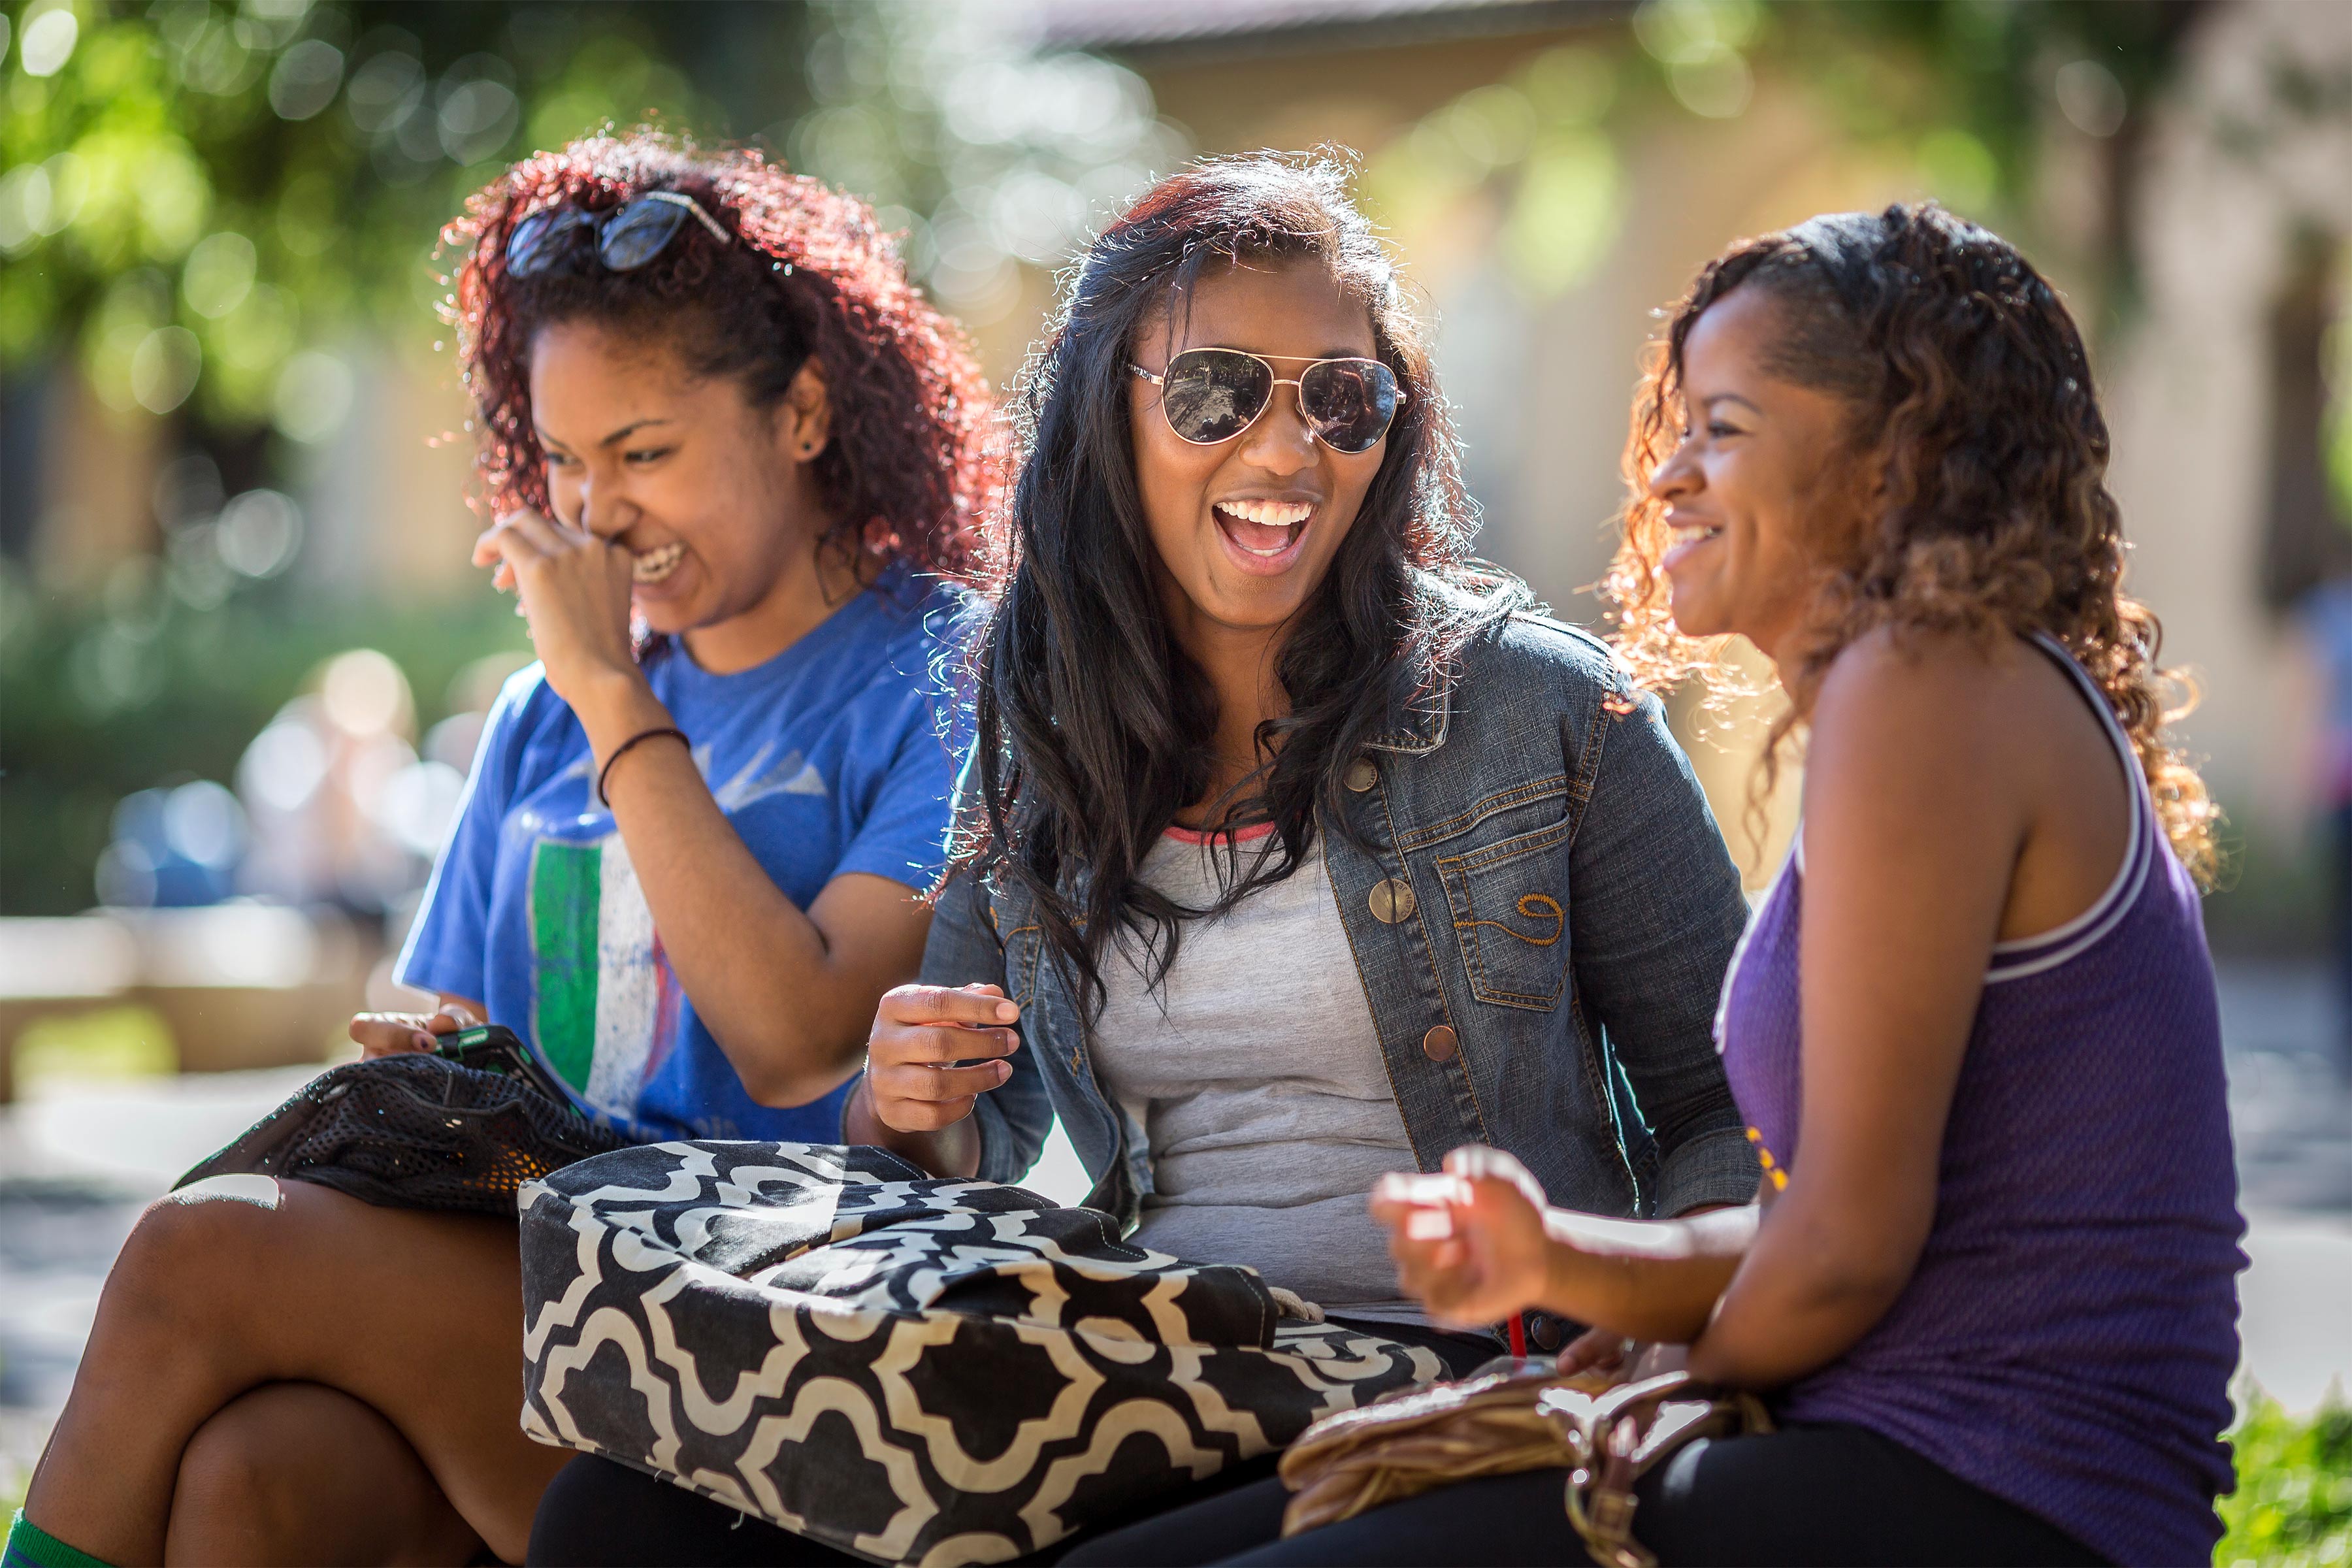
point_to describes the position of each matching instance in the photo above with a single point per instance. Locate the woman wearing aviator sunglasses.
(686, 870)
(1295, 847)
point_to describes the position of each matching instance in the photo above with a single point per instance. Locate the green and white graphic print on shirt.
(827, 760)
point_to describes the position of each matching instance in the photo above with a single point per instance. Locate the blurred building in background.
(234, 447)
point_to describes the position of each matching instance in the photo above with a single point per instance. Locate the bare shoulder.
(1943, 722)
(1939, 689)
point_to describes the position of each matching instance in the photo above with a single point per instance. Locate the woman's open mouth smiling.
(1689, 534)
(655, 565)
(1262, 536)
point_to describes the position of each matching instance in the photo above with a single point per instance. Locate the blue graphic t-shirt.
(829, 758)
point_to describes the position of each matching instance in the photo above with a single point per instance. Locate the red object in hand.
(1517, 1330)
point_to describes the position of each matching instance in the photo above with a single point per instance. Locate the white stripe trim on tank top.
(2085, 930)
(2108, 910)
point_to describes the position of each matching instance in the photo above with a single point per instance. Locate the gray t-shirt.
(1255, 1075)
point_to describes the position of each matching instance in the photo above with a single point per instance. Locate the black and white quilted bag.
(912, 1370)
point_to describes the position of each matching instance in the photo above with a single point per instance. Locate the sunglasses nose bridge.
(1266, 429)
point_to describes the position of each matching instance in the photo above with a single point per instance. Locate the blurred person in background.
(1989, 1285)
(317, 783)
(686, 866)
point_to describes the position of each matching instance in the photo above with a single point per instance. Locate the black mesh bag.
(414, 1131)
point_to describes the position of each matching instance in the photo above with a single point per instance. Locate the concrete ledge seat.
(240, 984)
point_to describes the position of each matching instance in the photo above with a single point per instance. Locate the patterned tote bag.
(912, 1370)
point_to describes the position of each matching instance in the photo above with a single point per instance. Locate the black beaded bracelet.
(623, 750)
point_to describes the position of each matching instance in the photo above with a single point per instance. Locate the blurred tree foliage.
(199, 194)
(1967, 92)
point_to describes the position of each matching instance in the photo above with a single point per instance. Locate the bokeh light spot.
(364, 692)
(48, 42)
(218, 274)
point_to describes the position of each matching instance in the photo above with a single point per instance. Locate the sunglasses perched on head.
(627, 238)
(1210, 396)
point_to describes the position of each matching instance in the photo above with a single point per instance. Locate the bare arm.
(1914, 826)
(1477, 1244)
(785, 992)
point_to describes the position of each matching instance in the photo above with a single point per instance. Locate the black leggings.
(602, 1514)
(598, 1511)
(1818, 1495)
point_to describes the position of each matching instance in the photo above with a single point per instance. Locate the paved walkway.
(76, 1163)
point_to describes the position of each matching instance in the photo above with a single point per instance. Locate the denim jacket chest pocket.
(1506, 880)
(1024, 946)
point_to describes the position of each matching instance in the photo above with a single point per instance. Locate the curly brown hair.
(1977, 436)
(809, 273)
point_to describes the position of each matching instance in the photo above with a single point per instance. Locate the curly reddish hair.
(1975, 435)
(808, 275)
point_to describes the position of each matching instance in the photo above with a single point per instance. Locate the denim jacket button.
(1361, 774)
(1391, 901)
(1440, 1043)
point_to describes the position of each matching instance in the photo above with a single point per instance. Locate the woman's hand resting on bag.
(920, 1032)
(389, 1034)
(1469, 1244)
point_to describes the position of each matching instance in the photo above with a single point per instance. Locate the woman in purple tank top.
(1989, 1281)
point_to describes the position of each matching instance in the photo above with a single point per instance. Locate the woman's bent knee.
(194, 1258)
(236, 1499)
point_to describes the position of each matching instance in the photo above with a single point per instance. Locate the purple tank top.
(2067, 1341)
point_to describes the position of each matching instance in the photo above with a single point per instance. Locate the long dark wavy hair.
(1975, 456)
(1094, 727)
(807, 274)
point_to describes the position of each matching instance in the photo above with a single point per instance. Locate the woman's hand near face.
(574, 587)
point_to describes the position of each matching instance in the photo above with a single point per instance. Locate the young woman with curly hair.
(1989, 1281)
(729, 453)
(1296, 846)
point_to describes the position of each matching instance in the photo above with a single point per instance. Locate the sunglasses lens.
(1350, 402)
(1212, 395)
(538, 240)
(639, 232)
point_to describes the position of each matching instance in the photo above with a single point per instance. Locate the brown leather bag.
(1605, 1432)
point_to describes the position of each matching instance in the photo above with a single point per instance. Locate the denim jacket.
(1542, 928)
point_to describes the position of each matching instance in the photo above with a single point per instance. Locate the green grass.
(111, 1044)
(2293, 1508)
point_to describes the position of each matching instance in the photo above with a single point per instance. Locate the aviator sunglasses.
(627, 238)
(1213, 394)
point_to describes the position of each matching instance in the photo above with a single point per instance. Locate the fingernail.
(1007, 1011)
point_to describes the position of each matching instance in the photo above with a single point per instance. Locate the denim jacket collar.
(1420, 725)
